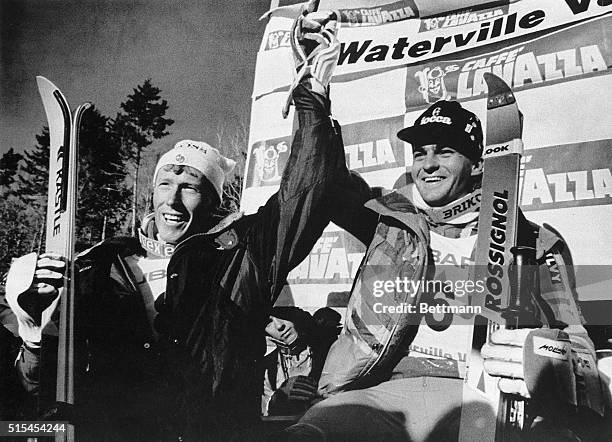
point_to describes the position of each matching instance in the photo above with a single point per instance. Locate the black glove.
(293, 396)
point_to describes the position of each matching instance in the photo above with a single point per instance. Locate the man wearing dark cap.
(397, 372)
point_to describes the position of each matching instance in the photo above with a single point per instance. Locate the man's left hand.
(503, 357)
(316, 51)
(533, 363)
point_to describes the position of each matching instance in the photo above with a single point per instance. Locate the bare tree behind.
(231, 138)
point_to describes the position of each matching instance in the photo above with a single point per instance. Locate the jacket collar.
(398, 205)
(220, 233)
(405, 203)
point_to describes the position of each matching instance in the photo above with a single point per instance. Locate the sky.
(201, 54)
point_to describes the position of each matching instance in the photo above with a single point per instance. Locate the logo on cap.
(187, 145)
(436, 118)
(180, 158)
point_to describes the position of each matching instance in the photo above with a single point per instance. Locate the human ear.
(477, 167)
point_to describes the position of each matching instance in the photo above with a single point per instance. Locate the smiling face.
(183, 203)
(442, 174)
(282, 330)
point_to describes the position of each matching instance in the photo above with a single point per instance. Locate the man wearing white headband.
(173, 340)
(188, 186)
(202, 157)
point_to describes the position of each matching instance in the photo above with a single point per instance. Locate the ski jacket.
(220, 288)
(397, 235)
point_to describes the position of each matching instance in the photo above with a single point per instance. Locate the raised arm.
(316, 186)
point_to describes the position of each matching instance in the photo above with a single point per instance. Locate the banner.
(377, 12)
(410, 42)
(564, 55)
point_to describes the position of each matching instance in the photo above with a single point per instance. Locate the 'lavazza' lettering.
(563, 187)
(519, 68)
(372, 153)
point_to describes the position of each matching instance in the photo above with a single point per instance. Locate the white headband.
(200, 156)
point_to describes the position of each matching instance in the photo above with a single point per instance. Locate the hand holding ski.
(503, 358)
(532, 363)
(32, 292)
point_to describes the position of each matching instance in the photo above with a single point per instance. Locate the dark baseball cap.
(449, 123)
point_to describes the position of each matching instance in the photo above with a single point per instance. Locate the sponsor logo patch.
(497, 149)
(551, 348)
(157, 248)
(553, 268)
(467, 205)
(436, 119)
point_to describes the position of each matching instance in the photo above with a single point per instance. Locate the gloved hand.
(293, 396)
(32, 292)
(316, 51)
(532, 363)
(299, 388)
(503, 357)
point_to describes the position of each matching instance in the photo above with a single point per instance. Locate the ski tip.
(44, 83)
(80, 111)
(40, 79)
(85, 106)
(499, 93)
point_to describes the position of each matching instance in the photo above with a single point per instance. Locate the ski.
(61, 234)
(497, 237)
